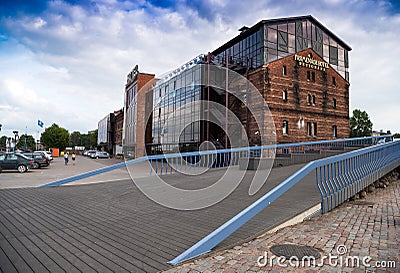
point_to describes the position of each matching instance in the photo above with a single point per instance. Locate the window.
(311, 129)
(314, 128)
(334, 131)
(284, 95)
(308, 76)
(333, 81)
(282, 41)
(334, 103)
(313, 76)
(285, 128)
(284, 72)
(333, 55)
(313, 99)
(308, 99)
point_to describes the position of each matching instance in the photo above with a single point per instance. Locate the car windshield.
(23, 156)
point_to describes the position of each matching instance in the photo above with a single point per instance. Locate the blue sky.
(66, 62)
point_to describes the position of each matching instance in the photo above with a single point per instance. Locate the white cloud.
(73, 61)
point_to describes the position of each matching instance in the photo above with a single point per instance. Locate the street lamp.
(15, 139)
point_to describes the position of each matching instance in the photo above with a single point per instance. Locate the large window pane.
(282, 41)
(333, 55)
(272, 35)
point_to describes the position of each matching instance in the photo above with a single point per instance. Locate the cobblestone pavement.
(366, 229)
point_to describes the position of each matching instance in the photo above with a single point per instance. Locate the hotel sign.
(132, 76)
(311, 63)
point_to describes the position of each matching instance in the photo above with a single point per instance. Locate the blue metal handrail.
(222, 158)
(357, 170)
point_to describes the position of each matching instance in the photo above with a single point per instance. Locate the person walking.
(66, 158)
(73, 158)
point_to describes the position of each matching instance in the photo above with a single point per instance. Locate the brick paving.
(366, 227)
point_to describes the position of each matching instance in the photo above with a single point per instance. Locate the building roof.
(246, 32)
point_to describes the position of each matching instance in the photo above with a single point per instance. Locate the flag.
(40, 123)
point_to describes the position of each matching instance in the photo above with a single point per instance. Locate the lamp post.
(26, 135)
(15, 140)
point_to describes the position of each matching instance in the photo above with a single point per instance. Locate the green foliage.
(360, 124)
(75, 139)
(3, 140)
(397, 135)
(30, 143)
(55, 137)
(88, 140)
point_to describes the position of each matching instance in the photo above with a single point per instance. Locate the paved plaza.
(362, 228)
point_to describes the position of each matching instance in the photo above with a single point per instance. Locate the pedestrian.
(66, 158)
(73, 158)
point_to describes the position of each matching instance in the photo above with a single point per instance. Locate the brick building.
(301, 69)
(307, 102)
(118, 130)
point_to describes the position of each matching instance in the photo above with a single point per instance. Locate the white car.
(99, 154)
(46, 154)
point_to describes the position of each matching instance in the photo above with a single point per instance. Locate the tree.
(93, 138)
(30, 143)
(397, 135)
(360, 124)
(55, 137)
(3, 140)
(75, 139)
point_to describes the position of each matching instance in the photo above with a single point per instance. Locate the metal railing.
(194, 161)
(338, 178)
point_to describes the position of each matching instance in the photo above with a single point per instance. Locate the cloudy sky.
(66, 62)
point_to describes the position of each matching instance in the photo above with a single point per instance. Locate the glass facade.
(273, 40)
(130, 116)
(250, 47)
(176, 116)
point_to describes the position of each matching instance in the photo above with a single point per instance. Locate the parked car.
(90, 152)
(100, 155)
(12, 161)
(48, 156)
(39, 160)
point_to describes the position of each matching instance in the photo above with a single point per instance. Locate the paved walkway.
(58, 170)
(367, 228)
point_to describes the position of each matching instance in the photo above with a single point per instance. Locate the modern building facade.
(105, 133)
(299, 67)
(134, 104)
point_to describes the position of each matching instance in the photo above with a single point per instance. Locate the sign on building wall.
(311, 62)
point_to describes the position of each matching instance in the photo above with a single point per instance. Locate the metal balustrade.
(338, 178)
(196, 162)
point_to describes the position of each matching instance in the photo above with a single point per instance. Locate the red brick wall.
(143, 79)
(271, 82)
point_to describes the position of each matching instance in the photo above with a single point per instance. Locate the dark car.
(11, 161)
(39, 160)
